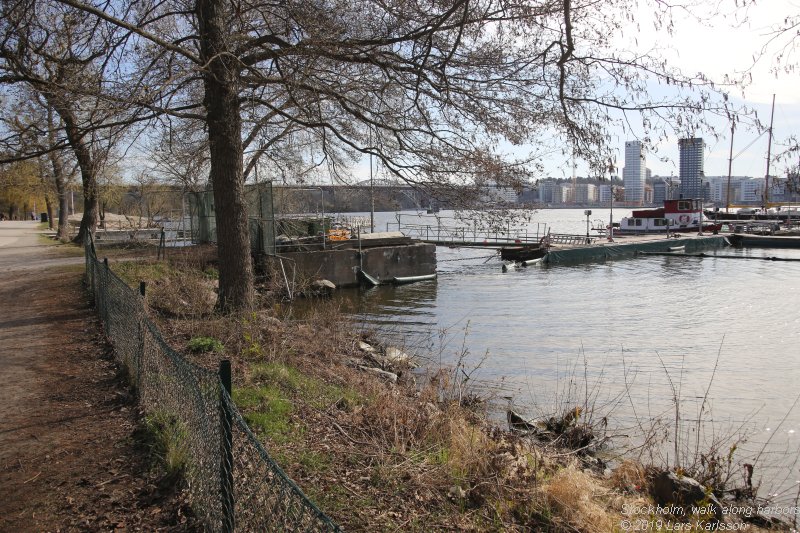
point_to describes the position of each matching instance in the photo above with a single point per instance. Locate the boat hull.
(709, 228)
(522, 253)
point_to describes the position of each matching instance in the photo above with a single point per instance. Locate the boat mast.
(769, 155)
(730, 167)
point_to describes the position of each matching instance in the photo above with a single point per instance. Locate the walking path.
(70, 455)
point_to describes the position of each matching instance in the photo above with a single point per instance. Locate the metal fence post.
(162, 246)
(226, 459)
(142, 336)
(104, 290)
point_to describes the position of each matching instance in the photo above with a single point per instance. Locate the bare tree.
(443, 94)
(33, 127)
(64, 58)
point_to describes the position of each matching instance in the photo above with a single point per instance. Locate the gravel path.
(71, 458)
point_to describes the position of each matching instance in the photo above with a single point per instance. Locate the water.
(631, 334)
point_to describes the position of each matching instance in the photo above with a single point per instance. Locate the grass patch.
(132, 272)
(313, 461)
(268, 411)
(168, 442)
(204, 345)
(313, 391)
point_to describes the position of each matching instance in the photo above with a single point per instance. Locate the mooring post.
(226, 459)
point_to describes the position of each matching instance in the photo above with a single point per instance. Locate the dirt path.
(70, 458)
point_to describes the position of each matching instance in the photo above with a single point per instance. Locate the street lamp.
(588, 213)
(611, 216)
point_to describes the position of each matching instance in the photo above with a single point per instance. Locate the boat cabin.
(676, 215)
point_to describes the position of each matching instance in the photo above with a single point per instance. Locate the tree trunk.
(86, 164)
(63, 214)
(60, 182)
(49, 203)
(223, 119)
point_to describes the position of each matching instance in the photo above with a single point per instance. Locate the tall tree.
(65, 59)
(442, 93)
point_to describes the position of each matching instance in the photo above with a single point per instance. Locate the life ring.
(684, 219)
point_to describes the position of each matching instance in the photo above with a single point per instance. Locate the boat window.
(638, 221)
(684, 206)
(660, 222)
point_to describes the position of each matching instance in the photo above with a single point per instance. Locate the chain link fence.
(233, 483)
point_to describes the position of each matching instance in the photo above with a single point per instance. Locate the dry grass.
(379, 456)
(575, 498)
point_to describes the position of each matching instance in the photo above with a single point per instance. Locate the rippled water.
(632, 333)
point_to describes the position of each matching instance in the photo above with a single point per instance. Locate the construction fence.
(232, 481)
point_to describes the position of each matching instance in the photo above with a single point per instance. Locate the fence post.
(162, 244)
(142, 337)
(104, 290)
(226, 462)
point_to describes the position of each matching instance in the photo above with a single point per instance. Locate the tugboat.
(676, 216)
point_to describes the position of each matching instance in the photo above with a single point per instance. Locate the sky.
(727, 44)
(716, 45)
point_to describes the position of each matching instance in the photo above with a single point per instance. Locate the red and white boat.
(675, 216)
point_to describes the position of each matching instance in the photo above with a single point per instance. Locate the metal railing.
(232, 481)
(451, 232)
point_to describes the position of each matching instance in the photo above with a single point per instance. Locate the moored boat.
(675, 216)
(523, 253)
(782, 213)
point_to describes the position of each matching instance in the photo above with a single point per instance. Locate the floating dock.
(630, 246)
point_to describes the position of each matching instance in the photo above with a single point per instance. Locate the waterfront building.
(564, 194)
(660, 189)
(634, 173)
(604, 194)
(547, 190)
(498, 194)
(691, 157)
(718, 188)
(585, 193)
(648, 194)
(751, 191)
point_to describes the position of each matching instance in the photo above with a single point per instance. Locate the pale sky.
(727, 44)
(716, 45)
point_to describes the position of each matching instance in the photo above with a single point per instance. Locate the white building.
(752, 190)
(493, 193)
(564, 194)
(634, 173)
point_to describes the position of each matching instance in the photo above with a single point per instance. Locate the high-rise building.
(691, 167)
(634, 173)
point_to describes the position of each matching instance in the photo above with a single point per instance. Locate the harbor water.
(631, 340)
